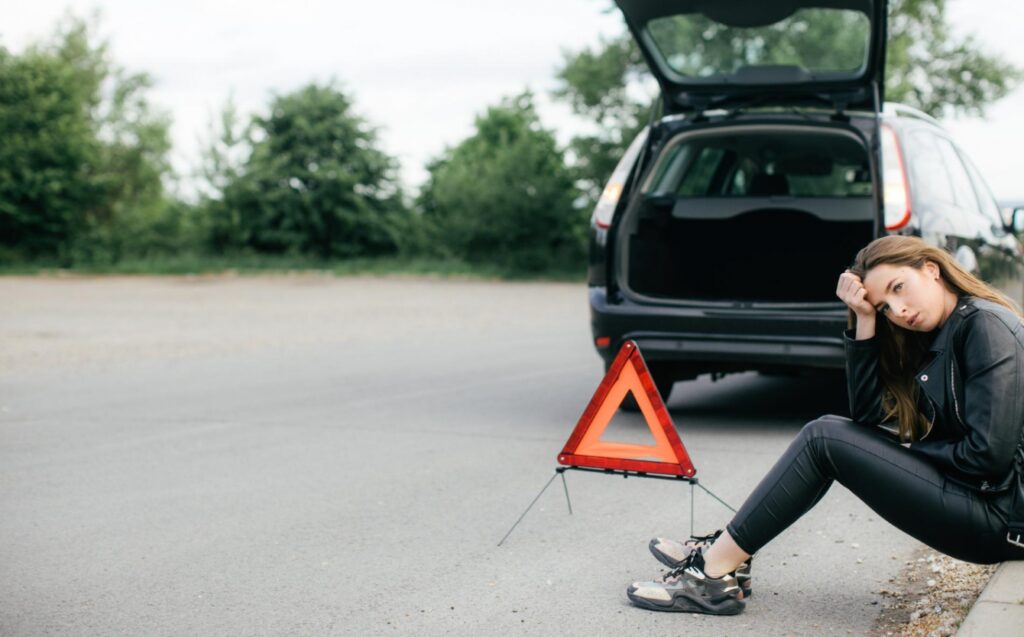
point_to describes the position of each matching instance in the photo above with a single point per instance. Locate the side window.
(927, 170)
(986, 202)
(739, 182)
(667, 171)
(697, 180)
(827, 177)
(963, 191)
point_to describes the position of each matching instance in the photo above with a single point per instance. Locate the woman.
(936, 357)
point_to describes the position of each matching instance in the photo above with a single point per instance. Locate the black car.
(721, 235)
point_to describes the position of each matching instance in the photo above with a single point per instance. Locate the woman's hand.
(852, 292)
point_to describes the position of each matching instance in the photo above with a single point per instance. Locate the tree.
(82, 150)
(929, 68)
(46, 187)
(312, 183)
(226, 149)
(504, 196)
(926, 67)
(597, 83)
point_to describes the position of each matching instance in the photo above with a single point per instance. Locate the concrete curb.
(999, 610)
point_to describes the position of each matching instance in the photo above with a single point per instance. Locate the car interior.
(719, 207)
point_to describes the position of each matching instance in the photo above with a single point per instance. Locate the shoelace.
(687, 563)
(708, 537)
(678, 571)
(705, 539)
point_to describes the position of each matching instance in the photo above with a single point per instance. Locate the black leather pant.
(899, 485)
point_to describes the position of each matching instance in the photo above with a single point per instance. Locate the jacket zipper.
(984, 486)
(952, 386)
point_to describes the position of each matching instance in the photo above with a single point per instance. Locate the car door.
(1000, 254)
(732, 53)
(943, 198)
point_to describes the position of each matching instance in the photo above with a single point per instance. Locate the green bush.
(81, 151)
(312, 183)
(504, 196)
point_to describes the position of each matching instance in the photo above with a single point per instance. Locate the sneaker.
(672, 553)
(688, 589)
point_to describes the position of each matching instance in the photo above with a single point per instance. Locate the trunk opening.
(758, 214)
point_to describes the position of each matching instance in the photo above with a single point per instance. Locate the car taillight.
(896, 190)
(605, 208)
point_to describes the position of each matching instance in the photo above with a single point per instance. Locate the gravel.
(931, 596)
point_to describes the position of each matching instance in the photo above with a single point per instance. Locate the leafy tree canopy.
(313, 181)
(504, 195)
(82, 146)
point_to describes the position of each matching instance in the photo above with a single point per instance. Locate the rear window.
(762, 45)
(927, 170)
(764, 164)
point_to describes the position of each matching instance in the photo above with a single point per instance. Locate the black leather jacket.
(972, 390)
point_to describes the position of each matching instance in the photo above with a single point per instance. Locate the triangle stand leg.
(694, 482)
(560, 471)
(720, 500)
(565, 486)
(546, 485)
(692, 498)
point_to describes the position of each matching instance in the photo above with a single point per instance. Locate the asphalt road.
(319, 456)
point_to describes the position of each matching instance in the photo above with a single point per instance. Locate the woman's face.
(911, 298)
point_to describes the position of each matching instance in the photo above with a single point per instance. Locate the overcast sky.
(419, 70)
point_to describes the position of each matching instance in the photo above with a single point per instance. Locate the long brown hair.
(901, 352)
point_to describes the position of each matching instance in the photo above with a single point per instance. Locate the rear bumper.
(709, 338)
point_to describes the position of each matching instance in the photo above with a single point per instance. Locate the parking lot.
(317, 455)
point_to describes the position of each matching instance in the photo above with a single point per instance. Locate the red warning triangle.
(628, 373)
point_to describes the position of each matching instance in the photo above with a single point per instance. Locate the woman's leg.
(724, 556)
(898, 484)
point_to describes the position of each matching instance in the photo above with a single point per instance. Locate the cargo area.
(765, 214)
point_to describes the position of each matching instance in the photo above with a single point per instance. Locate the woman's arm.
(992, 361)
(862, 383)
(863, 387)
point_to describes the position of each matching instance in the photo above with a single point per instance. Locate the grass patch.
(255, 264)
